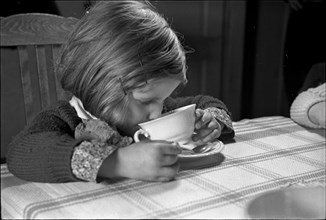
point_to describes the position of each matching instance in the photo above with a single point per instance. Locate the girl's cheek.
(138, 115)
(128, 126)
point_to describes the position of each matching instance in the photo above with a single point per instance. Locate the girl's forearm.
(109, 167)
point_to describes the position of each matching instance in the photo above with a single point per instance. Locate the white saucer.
(218, 146)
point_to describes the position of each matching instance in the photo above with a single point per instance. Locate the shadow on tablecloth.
(204, 162)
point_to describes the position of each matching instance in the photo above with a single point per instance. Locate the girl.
(122, 63)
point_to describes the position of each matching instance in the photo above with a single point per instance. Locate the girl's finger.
(199, 113)
(212, 136)
(170, 149)
(206, 118)
(167, 173)
(204, 132)
(211, 123)
(168, 160)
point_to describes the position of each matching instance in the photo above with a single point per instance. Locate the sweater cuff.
(300, 107)
(88, 157)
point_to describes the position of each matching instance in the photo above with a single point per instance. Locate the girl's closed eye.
(147, 102)
(152, 101)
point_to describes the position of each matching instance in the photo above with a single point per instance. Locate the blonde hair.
(116, 47)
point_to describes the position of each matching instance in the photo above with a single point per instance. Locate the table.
(267, 153)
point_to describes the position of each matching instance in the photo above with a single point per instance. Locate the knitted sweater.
(42, 152)
(300, 107)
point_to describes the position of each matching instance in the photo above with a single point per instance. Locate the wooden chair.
(29, 47)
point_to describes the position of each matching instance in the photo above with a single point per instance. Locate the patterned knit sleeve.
(88, 157)
(99, 141)
(302, 104)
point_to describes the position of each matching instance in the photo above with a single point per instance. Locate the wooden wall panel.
(232, 56)
(268, 97)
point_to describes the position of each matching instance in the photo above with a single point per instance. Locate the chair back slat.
(42, 70)
(28, 71)
(52, 80)
(30, 45)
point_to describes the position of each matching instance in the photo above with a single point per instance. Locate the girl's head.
(117, 47)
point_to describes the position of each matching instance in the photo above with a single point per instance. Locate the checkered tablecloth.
(267, 153)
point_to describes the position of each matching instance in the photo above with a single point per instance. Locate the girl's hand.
(145, 160)
(207, 128)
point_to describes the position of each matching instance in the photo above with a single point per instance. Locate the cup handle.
(138, 132)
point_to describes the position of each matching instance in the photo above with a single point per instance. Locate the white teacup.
(289, 203)
(177, 125)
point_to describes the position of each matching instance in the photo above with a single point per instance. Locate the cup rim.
(169, 115)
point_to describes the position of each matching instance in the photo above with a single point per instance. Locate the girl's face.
(147, 103)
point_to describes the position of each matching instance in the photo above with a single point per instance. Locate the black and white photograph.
(163, 109)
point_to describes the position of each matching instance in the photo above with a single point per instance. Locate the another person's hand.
(145, 160)
(317, 114)
(207, 128)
